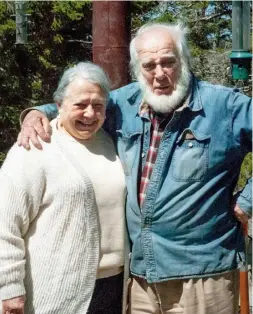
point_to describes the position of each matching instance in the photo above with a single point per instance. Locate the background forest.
(59, 34)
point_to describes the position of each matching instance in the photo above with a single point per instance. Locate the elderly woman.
(62, 210)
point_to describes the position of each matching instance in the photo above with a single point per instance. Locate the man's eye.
(169, 62)
(148, 66)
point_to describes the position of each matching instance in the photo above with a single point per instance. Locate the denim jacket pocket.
(128, 149)
(190, 158)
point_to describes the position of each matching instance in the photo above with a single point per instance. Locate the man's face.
(159, 61)
(82, 112)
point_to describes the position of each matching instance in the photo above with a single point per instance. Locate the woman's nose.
(89, 111)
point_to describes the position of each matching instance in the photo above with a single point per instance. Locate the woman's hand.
(13, 306)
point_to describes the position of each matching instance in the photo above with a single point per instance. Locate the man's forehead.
(154, 42)
(164, 54)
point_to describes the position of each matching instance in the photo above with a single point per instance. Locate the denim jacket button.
(142, 155)
(190, 145)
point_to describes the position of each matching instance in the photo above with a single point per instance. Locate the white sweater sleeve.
(17, 206)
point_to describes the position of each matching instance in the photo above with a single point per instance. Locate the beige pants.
(213, 295)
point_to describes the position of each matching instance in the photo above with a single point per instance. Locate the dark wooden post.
(111, 37)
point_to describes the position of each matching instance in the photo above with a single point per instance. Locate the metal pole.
(237, 38)
(246, 25)
(21, 22)
(111, 37)
(240, 56)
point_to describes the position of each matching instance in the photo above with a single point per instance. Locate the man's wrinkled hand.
(13, 306)
(240, 215)
(35, 124)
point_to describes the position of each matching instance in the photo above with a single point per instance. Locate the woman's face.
(82, 111)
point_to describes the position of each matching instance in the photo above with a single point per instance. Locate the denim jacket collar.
(135, 96)
(195, 105)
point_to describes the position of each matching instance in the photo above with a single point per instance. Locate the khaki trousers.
(213, 295)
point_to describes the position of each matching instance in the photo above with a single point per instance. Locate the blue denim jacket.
(186, 227)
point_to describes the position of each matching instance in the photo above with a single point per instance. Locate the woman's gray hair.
(176, 31)
(85, 70)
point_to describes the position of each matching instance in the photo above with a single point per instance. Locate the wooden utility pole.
(111, 37)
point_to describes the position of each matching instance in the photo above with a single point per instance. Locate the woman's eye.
(80, 105)
(98, 106)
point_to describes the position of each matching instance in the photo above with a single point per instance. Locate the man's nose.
(89, 112)
(159, 72)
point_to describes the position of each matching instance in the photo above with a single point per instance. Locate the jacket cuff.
(24, 113)
(245, 204)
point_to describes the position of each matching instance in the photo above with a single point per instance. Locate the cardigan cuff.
(12, 290)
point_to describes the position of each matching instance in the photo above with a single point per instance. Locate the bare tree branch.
(210, 17)
(79, 41)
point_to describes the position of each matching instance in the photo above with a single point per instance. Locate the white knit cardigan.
(49, 235)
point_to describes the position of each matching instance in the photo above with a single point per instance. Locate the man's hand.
(240, 215)
(13, 306)
(35, 124)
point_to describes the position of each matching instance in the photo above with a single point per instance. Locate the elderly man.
(181, 143)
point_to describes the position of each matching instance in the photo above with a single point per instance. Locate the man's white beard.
(166, 103)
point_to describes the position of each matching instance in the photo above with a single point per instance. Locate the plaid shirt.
(158, 125)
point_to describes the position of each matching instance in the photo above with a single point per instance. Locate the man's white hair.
(176, 31)
(164, 103)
